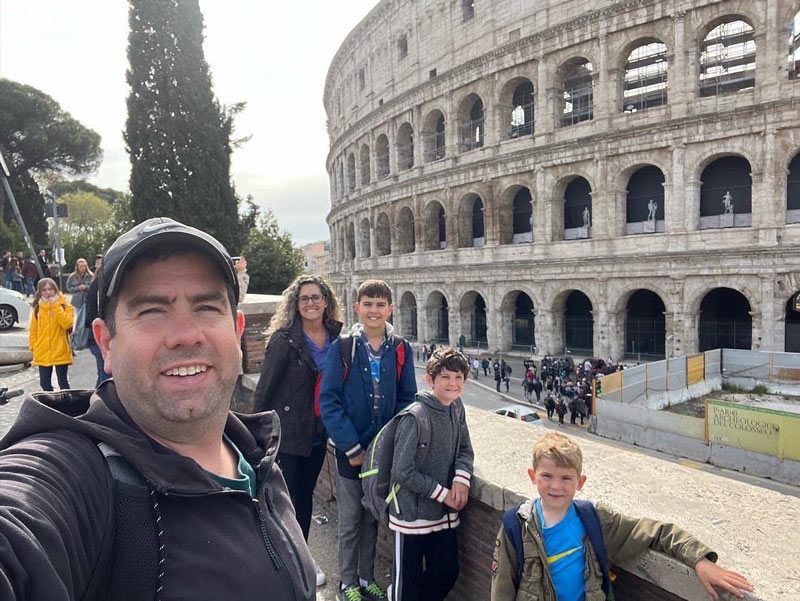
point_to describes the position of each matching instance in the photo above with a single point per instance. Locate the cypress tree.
(178, 137)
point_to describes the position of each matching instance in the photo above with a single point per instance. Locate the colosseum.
(608, 178)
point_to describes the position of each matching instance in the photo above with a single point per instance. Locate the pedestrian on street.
(561, 410)
(48, 336)
(498, 377)
(485, 363)
(78, 282)
(155, 490)
(550, 405)
(90, 314)
(476, 367)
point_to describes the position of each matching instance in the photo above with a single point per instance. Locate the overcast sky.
(273, 55)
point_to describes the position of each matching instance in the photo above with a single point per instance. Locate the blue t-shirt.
(565, 555)
(318, 354)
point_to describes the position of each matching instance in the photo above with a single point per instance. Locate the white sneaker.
(320, 574)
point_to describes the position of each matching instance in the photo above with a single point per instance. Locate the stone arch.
(516, 101)
(364, 165)
(383, 235)
(408, 316)
(433, 136)
(645, 324)
(364, 249)
(351, 172)
(405, 147)
(382, 157)
(473, 317)
(576, 82)
(725, 320)
(518, 321)
(350, 242)
(406, 239)
(515, 219)
(726, 191)
(644, 80)
(793, 190)
(644, 200)
(573, 313)
(435, 232)
(578, 209)
(471, 122)
(437, 313)
(471, 224)
(727, 56)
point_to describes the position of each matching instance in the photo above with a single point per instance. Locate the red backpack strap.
(400, 355)
(317, 388)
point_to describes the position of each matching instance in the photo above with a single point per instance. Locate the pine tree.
(178, 136)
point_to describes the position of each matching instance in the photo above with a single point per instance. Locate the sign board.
(767, 431)
(62, 210)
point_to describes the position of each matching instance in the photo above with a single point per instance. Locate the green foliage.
(37, 137)
(178, 136)
(760, 389)
(272, 259)
(89, 229)
(62, 187)
(11, 238)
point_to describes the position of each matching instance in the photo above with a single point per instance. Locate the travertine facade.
(600, 177)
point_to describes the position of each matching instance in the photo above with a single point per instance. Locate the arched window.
(522, 110)
(408, 316)
(406, 242)
(477, 222)
(382, 156)
(578, 210)
(364, 164)
(350, 243)
(725, 193)
(645, 77)
(363, 235)
(383, 238)
(405, 147)
(728, 58)
(470, 221)
(435, 227)
(522, 217)
(644, 201)
(645, 326)
(433, 137)
(794, 48)
(468, 10)
(351, 172)
(725, 321)
(471, 123)
(578, 324)
(577, 96)
(793, 191)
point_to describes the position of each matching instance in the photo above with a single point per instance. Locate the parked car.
(13, 309)
(526, 414)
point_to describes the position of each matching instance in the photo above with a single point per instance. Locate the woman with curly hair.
(300, 333)
(48, 337)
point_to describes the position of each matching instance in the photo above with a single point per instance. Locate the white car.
(526, 414)
(13, 309)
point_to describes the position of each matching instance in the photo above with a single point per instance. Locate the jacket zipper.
(295, 550)
(277, 560)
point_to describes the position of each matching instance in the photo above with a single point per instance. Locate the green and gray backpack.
(376, 471)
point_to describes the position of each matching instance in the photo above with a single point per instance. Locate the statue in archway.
(652, 207)
(586, 216)
(727, 202)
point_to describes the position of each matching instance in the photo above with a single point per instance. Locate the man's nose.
(183, 330)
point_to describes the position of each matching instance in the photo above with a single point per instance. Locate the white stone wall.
(509, 39)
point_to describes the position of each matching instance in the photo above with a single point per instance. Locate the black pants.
(439, 551)
(46, 377)
(301, 475)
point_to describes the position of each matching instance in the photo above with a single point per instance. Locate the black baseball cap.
(148, 235)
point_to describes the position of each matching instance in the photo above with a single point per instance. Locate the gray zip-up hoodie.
(424, 487)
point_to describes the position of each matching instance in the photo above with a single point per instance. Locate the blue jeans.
(46, 377)
(102, 376)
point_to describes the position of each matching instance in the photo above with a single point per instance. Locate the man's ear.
(102, 336)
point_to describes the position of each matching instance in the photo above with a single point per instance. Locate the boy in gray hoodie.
(431, 493)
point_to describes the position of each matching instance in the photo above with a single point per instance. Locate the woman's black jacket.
(286, 386)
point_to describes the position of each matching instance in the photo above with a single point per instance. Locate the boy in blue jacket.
(367, 379)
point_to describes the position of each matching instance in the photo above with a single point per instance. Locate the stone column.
(493, 333)
(450, 220)
(681, 80)
(767, 334)
(373, 237)
(603, 103)
(686, 340)
(491, 221)
(675, 199)
(692, 205)
(543, 120)
(454, 328)
(553, 220)
(423, 335)
(612, 336)
(419, 226)
(770, 210)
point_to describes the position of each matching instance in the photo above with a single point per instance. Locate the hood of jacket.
(100, 416)
(358, 329)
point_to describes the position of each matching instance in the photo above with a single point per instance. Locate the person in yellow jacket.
(52, 319)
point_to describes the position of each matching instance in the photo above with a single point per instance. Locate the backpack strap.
(587, 513)
(513, 531)
(347, 351)
(399, 354)
(418, 410)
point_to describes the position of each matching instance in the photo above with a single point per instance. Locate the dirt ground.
(696, 407)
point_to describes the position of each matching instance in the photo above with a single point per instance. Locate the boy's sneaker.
(351, 593)
(373, 592)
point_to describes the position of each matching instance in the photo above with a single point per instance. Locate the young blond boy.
(433, 490)
(562, 561)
